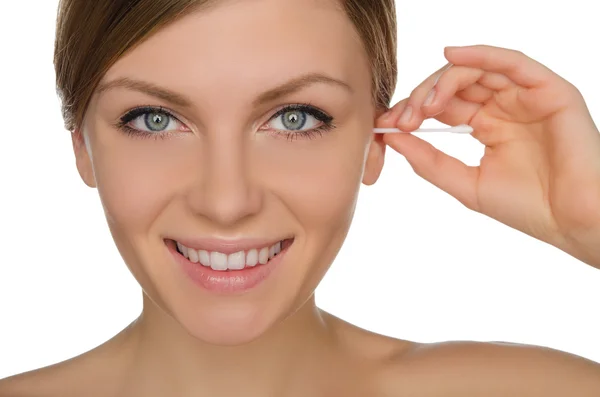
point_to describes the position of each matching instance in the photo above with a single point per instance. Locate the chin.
(229, 325)
(222, 317)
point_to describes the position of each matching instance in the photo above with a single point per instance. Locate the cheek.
(317, 180)
(134, 182)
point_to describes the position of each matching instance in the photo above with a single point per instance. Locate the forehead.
(249, 41)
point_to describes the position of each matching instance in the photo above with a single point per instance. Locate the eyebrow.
(287, 88)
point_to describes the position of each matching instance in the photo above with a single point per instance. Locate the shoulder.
(100, 372)
(39, 382)
(489, 369)
(77, 376)
(66, 379)
(92, 374)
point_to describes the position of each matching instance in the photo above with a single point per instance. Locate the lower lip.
(228, 281)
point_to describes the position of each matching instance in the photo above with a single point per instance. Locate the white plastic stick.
(459, 129)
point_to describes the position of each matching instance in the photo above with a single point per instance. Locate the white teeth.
(252, 258)
(236, 261)
(193, 255)
(263, 256)
(204, 258)
(218, 261)
(271, 251)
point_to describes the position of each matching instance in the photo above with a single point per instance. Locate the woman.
(228, 162)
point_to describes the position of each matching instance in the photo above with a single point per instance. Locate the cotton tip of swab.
(461, 129)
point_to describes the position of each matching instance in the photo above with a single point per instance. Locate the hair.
(92, 35)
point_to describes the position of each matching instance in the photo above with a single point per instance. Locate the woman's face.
(223, 166)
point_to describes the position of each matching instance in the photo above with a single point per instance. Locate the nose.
(227, 191)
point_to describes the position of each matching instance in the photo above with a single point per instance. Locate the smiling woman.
(233, 178)
(228, 141)
(213, 155)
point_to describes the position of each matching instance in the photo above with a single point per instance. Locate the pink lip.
(225, 282)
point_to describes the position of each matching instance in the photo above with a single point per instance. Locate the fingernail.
(430, 98)
(406, 115)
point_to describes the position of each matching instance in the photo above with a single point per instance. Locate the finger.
(475, 93)
(435, 100)
(390, 117)
(454, 87)
(495, 81)
(457, 111)
(446, 172)
(515, 65)
(475, 84)
(437, 75)
(431, 96)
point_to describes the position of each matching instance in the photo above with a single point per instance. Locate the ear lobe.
(375, 160)
(82, 158)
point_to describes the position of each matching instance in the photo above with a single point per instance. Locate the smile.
(242, 267)
(235, 261)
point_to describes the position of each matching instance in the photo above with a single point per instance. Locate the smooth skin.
(218, 177)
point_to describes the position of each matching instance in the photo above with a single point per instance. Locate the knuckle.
(521, 57)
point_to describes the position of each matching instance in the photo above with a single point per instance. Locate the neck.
(169, 360)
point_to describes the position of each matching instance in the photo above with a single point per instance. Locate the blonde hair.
(92, 35)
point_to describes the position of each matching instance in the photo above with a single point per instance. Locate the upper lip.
(227, 246)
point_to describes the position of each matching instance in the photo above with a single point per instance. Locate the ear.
(82, 158)
(375, 156)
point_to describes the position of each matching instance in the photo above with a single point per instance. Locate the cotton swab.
(459, 129)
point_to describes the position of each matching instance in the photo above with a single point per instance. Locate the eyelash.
(123, 123)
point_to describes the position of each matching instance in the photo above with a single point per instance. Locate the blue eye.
(300, 120)
(292, 121)
(155, 122)
(150, 121)
(295, 120)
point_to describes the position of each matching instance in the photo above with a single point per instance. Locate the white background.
(416, 264)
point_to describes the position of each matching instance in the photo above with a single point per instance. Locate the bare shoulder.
(86, 375)
(44, 382)
(488, 369)
(98, 372)
(366, 346)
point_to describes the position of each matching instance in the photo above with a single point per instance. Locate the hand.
(540, 172)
